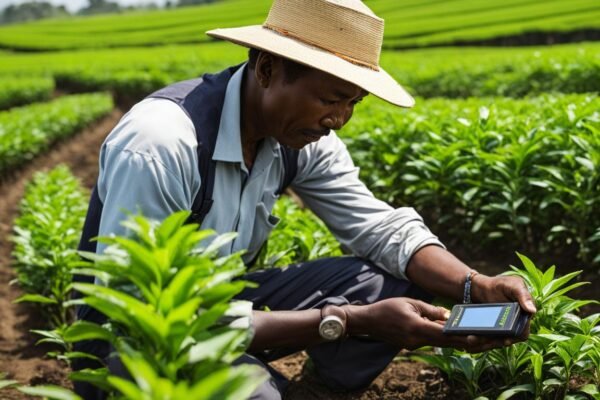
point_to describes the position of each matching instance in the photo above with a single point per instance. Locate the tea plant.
(494, 172)
(47, 231)
(300, 236)
(561, 347)
(27, 131)
(17, 91)
(168, 305)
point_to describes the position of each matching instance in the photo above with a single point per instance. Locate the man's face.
(306, 109)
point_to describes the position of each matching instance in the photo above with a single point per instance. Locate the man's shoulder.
(156, 127)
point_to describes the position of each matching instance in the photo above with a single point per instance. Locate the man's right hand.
(410, 324)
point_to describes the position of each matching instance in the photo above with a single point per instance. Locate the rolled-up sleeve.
(328, 183)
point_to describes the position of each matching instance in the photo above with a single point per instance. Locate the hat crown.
(346, 28)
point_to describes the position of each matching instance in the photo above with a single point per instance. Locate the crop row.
(410, 24)
(28, 131)
(515, 174)
(172, 339)
(46, 235)
(17, 91)
(449, 72)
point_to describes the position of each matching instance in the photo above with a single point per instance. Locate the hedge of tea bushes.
(448, 72)
(517, 174)
(27, 131)
(407, 23)
(46, 235)
(559, 360)
(512, 72)
(17, 91)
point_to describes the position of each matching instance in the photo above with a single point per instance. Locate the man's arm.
(441, 273)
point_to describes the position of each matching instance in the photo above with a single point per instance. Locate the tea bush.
(27, 131)
(559, 360)
(520, 174)
(300, 236)
(47, 232)
(17, 91)
(171, 318)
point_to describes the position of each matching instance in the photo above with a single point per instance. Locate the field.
(414, 23)
(501, 156)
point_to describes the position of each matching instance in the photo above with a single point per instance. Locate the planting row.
(16, 91)
(133, 73)
(28, 131)
(408, 24)
(172, 337)
(514, 174)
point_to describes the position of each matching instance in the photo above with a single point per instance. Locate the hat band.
(303, 40)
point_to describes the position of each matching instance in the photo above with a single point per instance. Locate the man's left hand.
(501, 289)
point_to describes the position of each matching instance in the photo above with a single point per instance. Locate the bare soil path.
(19, 358)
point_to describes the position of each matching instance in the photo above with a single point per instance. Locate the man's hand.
(501, 289)
(410, 324)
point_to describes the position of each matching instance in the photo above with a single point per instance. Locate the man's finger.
(524, 298)
(433, 313)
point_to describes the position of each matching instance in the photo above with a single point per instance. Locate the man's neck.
(252, 125)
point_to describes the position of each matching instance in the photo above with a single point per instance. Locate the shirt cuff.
(411, 238)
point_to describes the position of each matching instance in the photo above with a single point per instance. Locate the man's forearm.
(441, 273)
(280, 329)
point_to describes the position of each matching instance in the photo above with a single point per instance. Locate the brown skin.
(301, 112)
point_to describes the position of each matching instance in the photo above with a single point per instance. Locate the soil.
(19, 357)
(26, 363)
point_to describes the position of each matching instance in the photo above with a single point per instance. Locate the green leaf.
(507, 394)
(5, 383)
(35, 298)
(49, 391)
(84, 330)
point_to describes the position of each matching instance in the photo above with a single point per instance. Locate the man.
(311, 63)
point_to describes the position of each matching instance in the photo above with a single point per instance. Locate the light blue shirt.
(149, 163)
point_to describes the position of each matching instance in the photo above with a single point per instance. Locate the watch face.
(331, 329)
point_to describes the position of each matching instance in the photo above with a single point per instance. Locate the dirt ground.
(19, 357)
(25, 362)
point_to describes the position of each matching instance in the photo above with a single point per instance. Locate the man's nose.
(334, 122)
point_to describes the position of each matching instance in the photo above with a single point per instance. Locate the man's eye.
(328, 102)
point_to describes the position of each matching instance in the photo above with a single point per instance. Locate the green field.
(413, 23)
(501, 154)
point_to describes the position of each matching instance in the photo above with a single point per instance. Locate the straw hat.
(340, 37)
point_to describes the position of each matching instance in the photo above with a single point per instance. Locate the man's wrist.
(357, 320)
(479, 288)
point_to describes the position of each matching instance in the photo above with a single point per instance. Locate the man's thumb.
(434, 313)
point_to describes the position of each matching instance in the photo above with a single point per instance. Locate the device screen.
(484, 317)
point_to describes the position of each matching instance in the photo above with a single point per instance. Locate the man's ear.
(264, 69)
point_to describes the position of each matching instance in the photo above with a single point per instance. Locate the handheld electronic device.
(498, 319)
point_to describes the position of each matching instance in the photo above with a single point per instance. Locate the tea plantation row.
(27, 131)
(407, 23)
(135, 72)
(517, 174)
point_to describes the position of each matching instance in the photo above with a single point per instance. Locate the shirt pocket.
(264, 222)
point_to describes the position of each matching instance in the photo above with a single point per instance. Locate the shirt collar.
(229, 137)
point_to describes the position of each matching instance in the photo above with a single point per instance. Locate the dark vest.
(202, 100)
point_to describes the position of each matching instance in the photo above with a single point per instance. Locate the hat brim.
(378, 83)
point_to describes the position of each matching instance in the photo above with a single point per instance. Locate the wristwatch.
(333, 322)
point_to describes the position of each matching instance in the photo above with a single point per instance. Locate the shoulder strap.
(290, 167)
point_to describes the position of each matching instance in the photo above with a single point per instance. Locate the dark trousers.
(349, 364)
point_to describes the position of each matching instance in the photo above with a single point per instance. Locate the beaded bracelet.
(468, 282)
